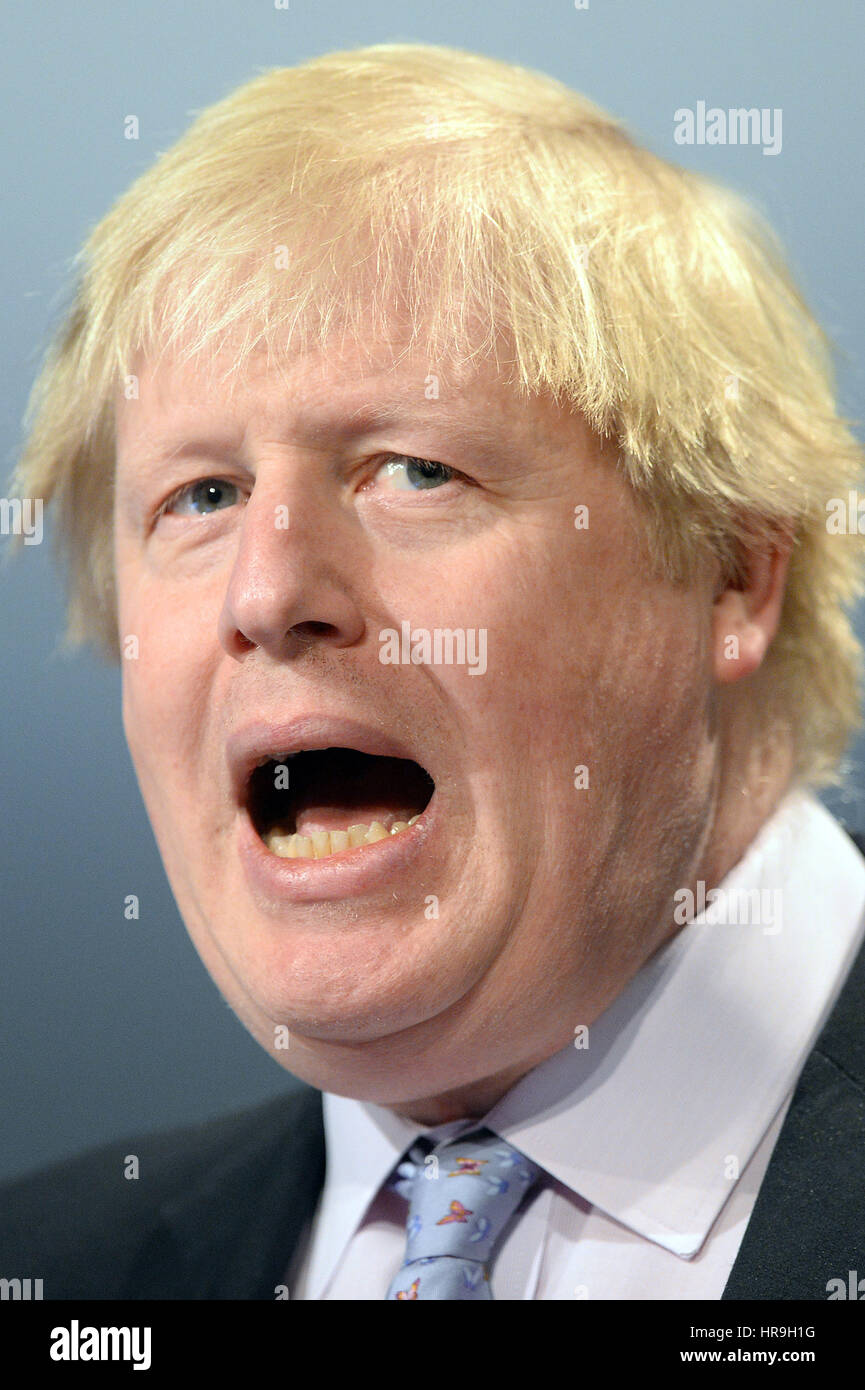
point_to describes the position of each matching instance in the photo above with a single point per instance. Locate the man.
(450, 477)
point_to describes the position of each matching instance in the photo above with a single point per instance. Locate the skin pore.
(548, 897)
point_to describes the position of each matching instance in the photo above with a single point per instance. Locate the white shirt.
(653, 1139)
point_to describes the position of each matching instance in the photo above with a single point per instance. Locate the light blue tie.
(461, 1197)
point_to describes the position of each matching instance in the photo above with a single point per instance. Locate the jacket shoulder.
(88, 1225)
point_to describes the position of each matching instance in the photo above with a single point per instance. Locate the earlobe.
(746, 614)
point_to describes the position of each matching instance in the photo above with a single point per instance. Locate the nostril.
(307, 631)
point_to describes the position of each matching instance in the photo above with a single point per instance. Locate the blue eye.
(417, 473)
(206, 496)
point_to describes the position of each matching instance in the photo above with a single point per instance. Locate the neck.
(754, 778)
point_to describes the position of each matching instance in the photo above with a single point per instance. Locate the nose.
(293, 578)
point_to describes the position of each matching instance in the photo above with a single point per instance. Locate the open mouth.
(312, 804)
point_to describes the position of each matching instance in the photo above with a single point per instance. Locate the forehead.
(337, 392)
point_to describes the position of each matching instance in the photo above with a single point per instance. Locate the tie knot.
(461, 1194)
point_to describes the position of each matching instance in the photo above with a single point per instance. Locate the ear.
(747, 610)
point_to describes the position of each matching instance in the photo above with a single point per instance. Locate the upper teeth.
(322, 843)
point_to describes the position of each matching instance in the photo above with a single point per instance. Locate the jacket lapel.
(808, 1223)
(231, 1232)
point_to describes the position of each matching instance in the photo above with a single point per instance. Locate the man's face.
(471, 944)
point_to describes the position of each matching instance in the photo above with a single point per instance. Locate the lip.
(351, 873)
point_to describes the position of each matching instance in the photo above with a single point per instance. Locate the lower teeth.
(321, 844)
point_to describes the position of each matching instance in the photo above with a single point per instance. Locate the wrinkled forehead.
(339, 388)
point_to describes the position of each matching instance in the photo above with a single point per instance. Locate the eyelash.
(452, 474)
(184, 488)
(423, 462)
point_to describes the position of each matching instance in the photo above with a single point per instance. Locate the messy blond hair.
(459, 191)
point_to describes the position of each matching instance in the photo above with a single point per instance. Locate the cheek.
(606, 661)
(151, 708)
(165, 665)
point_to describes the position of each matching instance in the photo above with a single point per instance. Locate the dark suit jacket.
(219, 1208)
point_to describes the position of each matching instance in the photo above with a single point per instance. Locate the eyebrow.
(177, 443)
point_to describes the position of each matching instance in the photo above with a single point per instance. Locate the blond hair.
(459, 191)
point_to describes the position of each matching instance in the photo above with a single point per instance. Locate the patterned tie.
(461, 1197)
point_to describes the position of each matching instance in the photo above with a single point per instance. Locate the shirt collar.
(682, 1073)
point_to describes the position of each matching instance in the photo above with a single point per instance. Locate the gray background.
(110, 1027)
